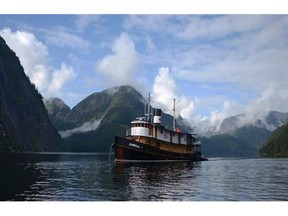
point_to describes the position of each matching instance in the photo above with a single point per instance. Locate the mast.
(148, 110)
(174, 120)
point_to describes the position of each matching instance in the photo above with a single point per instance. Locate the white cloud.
(165, 90)
(196, 27)
(34, 57)
(212, 122)
(86, 127)
(150, 23)
(61, 37)
(82, 22)
(252, 59)
(39, 76)
(244, 54)
(120, 67)
(150, 44)
(60, 77)
(220, 26)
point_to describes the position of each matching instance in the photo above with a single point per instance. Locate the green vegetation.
(277, 144)
(243, 142)
(115, 107)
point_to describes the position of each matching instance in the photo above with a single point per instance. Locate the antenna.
(145, 105)
(149, 108)
(174, 120)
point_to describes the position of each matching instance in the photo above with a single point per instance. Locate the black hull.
(126, 149)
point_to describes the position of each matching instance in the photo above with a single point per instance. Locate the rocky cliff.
(58, 112)
(24, 122)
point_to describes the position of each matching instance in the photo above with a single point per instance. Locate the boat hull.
(126, 149)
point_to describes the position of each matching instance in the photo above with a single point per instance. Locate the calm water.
(91, 177)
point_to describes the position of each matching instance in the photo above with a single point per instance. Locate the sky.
(215, 66)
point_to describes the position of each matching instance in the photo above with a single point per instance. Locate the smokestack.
(157, 116)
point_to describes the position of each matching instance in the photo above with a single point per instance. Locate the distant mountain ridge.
(92, 124)
(240, 136)
(24, 122)
(231, 123)
(242, 142)
(272, 121)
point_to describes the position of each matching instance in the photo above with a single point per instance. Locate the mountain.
(231, 123)
(276, 119)
(91, 125)
(272, 121)
(240, 136)
(277, 144)
(58, 112)
(243, 142)
(24, 122)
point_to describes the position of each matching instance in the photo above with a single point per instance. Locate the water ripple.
(93, 178)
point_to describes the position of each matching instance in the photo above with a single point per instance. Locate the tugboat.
(148, 139)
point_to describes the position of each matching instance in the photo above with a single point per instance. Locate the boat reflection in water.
(148, 181)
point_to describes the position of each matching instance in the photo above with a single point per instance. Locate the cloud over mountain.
(215, 66)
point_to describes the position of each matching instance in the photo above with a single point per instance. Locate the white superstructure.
(141, 128)
(151, 127)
